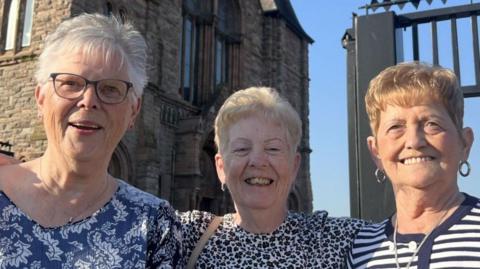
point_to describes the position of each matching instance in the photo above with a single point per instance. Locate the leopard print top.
(301, 241)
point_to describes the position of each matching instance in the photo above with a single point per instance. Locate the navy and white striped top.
(453, 244)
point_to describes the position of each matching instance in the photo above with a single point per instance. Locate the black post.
(375, 44)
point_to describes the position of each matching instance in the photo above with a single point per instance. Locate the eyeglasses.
(71, 86)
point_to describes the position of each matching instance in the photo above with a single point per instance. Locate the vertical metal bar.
(434, 42)
(456, 58)
(416, 53)
(476, 56)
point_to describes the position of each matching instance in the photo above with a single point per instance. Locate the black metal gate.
(373, 43)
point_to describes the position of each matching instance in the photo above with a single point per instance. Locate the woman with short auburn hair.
(419, 143)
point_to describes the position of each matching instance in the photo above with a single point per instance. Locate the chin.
(259, 204)
(83, 154)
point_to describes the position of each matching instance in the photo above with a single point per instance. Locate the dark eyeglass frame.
(54, 76)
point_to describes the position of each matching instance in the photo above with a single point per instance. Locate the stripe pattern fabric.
(453, 244)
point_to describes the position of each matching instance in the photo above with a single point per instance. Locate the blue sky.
(326, 22)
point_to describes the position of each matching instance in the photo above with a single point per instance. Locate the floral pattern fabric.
(133, 230)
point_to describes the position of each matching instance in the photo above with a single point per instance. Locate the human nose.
(258, 158)
(89, 98)
(415, 138)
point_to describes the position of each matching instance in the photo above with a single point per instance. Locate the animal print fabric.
(301, 241)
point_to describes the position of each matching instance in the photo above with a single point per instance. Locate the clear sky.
(326, 21)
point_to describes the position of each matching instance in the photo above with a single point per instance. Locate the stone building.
(200, 52)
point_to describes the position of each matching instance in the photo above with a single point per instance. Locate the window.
(18, 19)
(226, 34)
(27, 24)
(220, 61)
(209, 48)
(12, 19)
(187, 60)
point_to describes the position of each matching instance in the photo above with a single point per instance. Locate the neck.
(260, 221)
(68, 172)
(420, 212)
(61, 176)
(63, 195)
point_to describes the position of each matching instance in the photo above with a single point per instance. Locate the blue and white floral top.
(133, 230)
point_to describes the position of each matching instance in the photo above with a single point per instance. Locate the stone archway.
(120, 164)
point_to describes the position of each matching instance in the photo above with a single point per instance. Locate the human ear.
(136, 107)
(373, 149)
(39, 99)
(220, 166)
(468, 138)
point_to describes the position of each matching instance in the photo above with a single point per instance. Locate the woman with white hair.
(64, 210)
(257, 134)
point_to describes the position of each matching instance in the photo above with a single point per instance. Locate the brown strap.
(203, 241)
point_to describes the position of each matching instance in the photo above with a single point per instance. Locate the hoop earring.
(380, 176)
(223, 187)
(461, 171)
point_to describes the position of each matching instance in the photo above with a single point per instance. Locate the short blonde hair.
(414, 83)
(261, 101)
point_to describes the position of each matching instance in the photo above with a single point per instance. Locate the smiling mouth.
(84, 126)
(415, 160)
(258, 181)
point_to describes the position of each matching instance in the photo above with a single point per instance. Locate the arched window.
(120, 165)
(17, 24)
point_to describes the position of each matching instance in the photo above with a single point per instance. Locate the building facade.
(200, 51)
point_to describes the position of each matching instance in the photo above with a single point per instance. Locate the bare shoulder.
(12, 175)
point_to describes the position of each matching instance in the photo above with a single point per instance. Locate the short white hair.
(97, 35)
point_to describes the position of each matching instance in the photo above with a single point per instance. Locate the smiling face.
(84, 128)
(258, 165)
(419, 146)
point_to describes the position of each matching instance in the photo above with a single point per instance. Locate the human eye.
(111, 88)
(67, 82)
(432, 127)
(394, 127)
(274, 147)
(241, 150)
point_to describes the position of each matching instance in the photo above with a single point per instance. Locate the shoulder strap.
(203, 241)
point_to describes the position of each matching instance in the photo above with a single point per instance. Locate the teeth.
(259, 181)
(417, 160)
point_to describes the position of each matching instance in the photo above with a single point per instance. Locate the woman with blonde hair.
(257, 134)
(419, 143)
